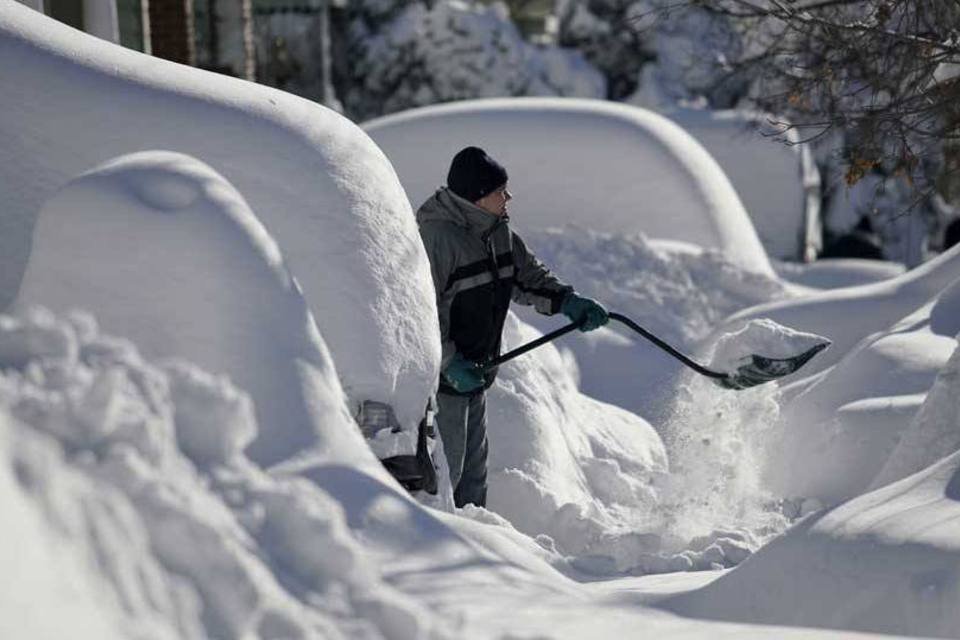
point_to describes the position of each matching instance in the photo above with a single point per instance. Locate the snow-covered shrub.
(612, 35)
(411, 54)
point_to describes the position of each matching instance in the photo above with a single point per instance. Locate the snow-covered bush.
(410, 54)
(612, 35)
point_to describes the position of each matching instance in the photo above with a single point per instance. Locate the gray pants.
(462, 421)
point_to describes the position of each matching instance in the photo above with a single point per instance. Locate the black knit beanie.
(473, 174)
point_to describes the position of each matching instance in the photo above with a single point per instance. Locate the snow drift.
(885, 562)
(600, 165)
(846, 421)
(564, 468)
(192, 274)
(137, 514)
(135, 477)
(862, 310)
(325, 192)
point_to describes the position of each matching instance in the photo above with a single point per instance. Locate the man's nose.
(507, 195)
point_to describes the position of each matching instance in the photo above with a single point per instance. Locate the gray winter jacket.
(479, 266)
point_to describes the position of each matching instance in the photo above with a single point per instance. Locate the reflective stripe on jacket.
(478, 267)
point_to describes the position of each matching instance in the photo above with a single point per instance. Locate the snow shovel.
(757, 369)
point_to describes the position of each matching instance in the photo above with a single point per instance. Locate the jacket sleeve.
(535, 285)
(442, 261)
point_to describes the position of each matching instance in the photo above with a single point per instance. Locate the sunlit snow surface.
(129, 476)
(133, 509)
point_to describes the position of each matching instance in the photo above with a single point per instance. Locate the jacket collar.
(446, 205)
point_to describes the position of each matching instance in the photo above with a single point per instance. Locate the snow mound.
(761, 337)
(848, 315)
(884, 562)
(194, 277)
(319, 185)
(601, 165)
(565, 467)
(935, 430)
(835, 273)
(591, 483)
(845, 423)
(134, 475)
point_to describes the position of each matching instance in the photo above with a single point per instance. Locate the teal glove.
(463, 375)
(590, 314)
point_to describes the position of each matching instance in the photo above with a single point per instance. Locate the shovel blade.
(760, 369)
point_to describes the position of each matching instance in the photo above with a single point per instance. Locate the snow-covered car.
(315, 181)
(778, 182)
(599, 165)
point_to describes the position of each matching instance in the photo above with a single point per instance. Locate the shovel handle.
(619, 317)
(519, 351)
(696, 366)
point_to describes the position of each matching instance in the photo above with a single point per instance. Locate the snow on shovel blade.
(760, 369)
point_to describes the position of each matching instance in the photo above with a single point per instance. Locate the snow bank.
(836, 273)
(848, 315)
(596, 485)
(885, 562)
(135, 476)
(42, 566)
(162, 249)
(564, 466)
(845, 423)
(134, 529)
(600, 165)
(935, 430)
(318, 184)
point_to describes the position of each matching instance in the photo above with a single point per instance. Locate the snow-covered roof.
(600, 165)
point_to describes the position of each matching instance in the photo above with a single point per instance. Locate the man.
(479, 266)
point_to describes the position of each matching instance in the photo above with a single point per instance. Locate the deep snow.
(885, 561)
(325, 192)
(135, 508)
(192, 274)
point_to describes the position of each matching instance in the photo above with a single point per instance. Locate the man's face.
(496, 201)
